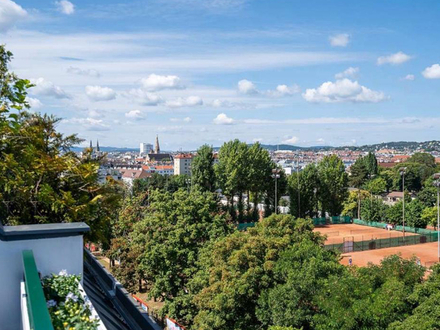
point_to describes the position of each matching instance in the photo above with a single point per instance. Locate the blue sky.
(206, 71)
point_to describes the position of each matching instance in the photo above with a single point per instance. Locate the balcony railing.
(38, 314)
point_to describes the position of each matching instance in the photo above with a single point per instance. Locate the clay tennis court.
(427, 253)
(338, 233)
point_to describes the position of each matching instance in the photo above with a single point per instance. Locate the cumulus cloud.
(47, 88)
(134, 114)
(339, 40)
(98, 93)
(34, 103)
(394, 59)
(143, 98)
(291, 140)
(88, 123)
(190, 101)
(284, 90)
(343, 90)
(222, 119)
(83, 72)
(349, 73)
(10, 14)
(156, 82)
(432, 72)
(65, 7)
(247, 87)
(410, 77)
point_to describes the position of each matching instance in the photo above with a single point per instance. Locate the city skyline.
(305, 74)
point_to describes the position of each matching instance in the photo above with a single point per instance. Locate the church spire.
(91, 145)
(97, 145)
(157, 148)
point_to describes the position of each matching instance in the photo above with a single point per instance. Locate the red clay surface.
(427, 253)
(336, 234)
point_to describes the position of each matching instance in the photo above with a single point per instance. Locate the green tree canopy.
(202, 168)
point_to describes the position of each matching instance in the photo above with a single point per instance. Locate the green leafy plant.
(67, 307)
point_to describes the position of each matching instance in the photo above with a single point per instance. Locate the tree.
(202, 168)
(373, 209)
(423, 158)
(41, 180)
(394, 213)
(358, 173)
(370, 162)
(171, 234)
(413, 214)
(232, 174)
(351, 204)
(281, 184)
(333, 184)
(259, 170)
(376, 186)
(238, 268)
(307, 181)
(429, 216)
(428, 195)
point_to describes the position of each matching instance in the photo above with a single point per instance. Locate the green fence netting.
(362, 243)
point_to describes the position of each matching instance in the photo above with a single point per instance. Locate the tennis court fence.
(358, 242)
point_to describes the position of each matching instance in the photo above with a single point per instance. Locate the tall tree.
(307, 182)
(260, 170)
(232, 174)
(202, 168)
(370, 161)
(333, 184)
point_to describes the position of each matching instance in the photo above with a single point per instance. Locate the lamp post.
(276, 175)
(402, 173)
(436, 183)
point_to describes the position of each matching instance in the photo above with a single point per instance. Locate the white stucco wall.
(51, 255)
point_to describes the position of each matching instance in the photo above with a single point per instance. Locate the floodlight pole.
(299, 193)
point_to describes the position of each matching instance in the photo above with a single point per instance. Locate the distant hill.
(428, 146)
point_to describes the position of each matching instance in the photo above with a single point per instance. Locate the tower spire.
(157, 148)
(91, 145)
(97, 145)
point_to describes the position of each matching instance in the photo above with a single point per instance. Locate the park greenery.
(173, 238)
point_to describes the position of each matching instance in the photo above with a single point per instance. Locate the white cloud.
(394, 59)
(83, 72)
(410, 77)
(156, 82)
(98, 93)
(143, 98)
(134, 114)
(88, 123)
(186, 120)
(291, 140)
(343, 90)
(65, 7)
(222, 119)
(10, 14)
(47, 88)
(34, 103)
(189, 101)
(320, 140)
(339, 40)
(284, 90)
(432, 72)
(247, 87)
(349, 73)
(257, 140)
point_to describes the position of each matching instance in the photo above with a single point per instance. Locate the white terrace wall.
(51, 256)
